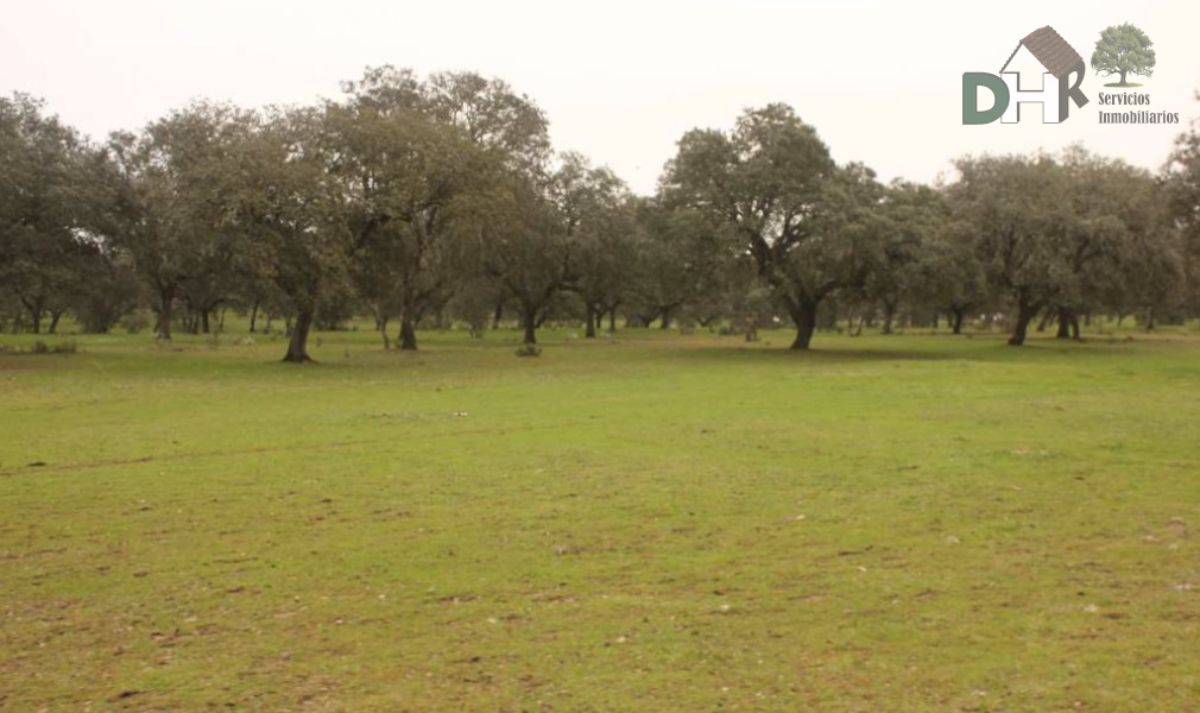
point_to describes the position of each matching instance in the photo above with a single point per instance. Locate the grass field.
(652, 523)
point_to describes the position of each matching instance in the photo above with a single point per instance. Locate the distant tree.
(1060, 236)
(911, 216)
(413, 154)
(1120, 247)
(805, 221)
(171, 216)
(530, 241)
(280, 196)
(1017, 209)
(53, 204)
(599, 211)
(404, 176)
(679, 256)
(1123, 49)
(1183, 191)
(951, 277)
(108, 289)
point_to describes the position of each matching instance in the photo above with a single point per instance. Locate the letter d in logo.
(971, 83)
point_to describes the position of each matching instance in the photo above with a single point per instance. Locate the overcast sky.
(620, 81)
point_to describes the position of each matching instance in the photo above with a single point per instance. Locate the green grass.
(652, 523)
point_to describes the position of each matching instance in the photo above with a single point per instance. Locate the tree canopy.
(429, 201)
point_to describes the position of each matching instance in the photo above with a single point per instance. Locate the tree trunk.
(612, 320)
(35, 316)
(54, 317)
(498, 314)
(805, 317)
(381, 323)
(167, 299)
(204, 320)
(589, 318)
(253, 316)
(666, 319)
(958, 320)
(1122, 77)
(1064, 324)
(889, 314)
(1025, 314)
(529, 322)
(408, 334)
(297, 352)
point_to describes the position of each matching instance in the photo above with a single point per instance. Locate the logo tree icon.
(1123, 49)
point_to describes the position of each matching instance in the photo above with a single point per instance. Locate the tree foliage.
(428, 200)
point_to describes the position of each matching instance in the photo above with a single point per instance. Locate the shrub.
(135, 322)
(40, 347)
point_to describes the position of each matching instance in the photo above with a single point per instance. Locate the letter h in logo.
(1047, 96)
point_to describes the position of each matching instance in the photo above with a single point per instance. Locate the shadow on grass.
(984, 347)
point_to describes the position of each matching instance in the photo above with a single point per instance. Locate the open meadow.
(656, 522)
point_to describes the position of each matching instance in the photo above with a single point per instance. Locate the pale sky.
(620, 81)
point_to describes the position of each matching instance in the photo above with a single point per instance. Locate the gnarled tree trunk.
(889, 316)
(589, 318)
(958, 320)
(1025, 314)
(297, 352)
(382, 323)
(529, 322)
(166, 297)
(408, 334)
(805, 316)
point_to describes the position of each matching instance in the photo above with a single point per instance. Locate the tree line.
(436, 200)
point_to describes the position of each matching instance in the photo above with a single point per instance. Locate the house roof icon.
(1049, 48)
